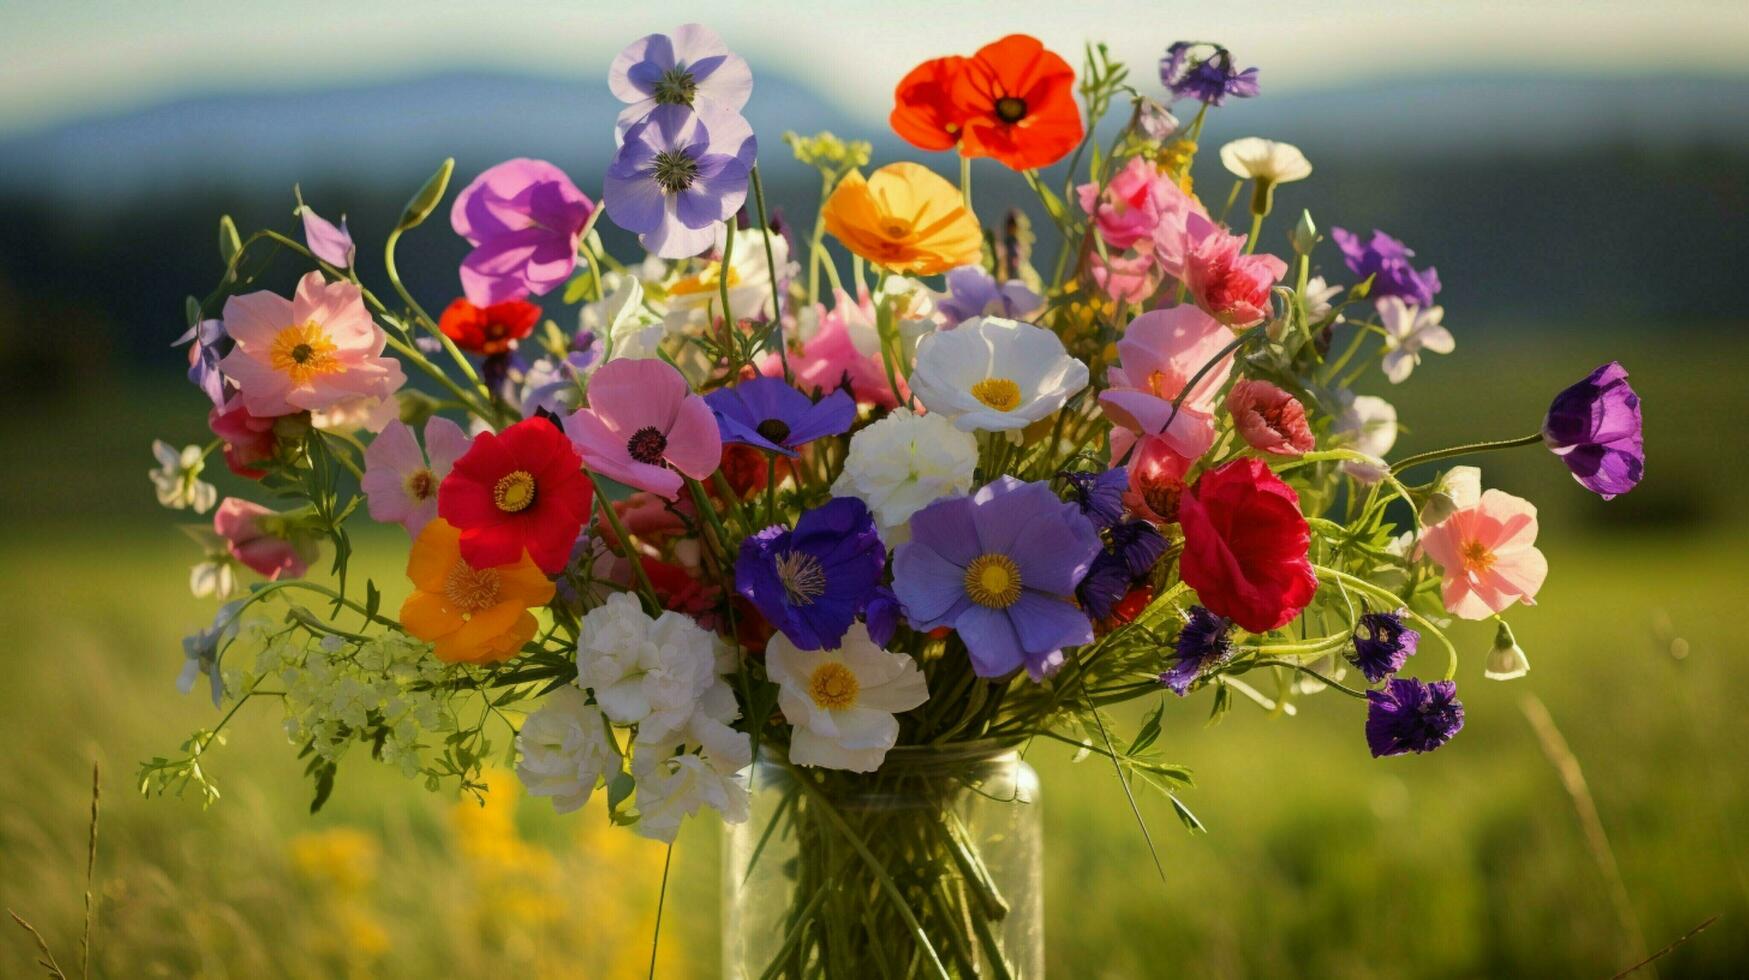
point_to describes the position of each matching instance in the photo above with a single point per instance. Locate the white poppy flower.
(1409, 330)
(565, 749)
(995, 375)
(903, 463)
(1366, 424)
(177, 478)
(651, 673)
(1265, 161)
(842, 703)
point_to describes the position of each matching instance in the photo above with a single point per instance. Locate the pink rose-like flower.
(1137, 202)
(308, 353)
(261, 539)
(524, 218)
(1270, 419)
(1126, 278)
(830, 358)
(248, 439)
(1160, 352)
(642, 424)
(1232, 286)
(1489, 555)
(399, 483)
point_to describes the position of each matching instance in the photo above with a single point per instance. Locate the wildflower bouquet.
(766, 521)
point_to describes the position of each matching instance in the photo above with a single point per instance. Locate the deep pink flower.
(1270, 419)
(1489, 555)
(830, 358)
(642, 424)
(399, 482)
(524, 218)
(249, 439)
(1160, 352)
(263, 539)
(1232, 286)
(1136, 203)
(1156, 476)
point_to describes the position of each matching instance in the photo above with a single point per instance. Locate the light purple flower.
(525, 219)
(973, 292)
(676, 179)
(210, 345)
(1000, 567)
(1387, 260)
(328, 243)
(691, 68)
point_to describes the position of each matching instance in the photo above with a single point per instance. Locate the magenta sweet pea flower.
(525, 220)
(677, 178)
(1594, 426)
(643, 423)
(691, 68)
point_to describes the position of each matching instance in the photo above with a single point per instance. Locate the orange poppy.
(906, 218)
(924, 114)
(472, 615)
(1013, 101)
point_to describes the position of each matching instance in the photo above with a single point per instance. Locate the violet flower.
(1387, 261)
(1594, 426)
(770, 414)
(1412, 716)
(973, 292)
(691, 68)
(1382, 643)
(210, 345)
(327, 242)
(675, 179)
(1127, 559)
(811, 583)
(1099, 495)
(882, 616)
(1204, 641)
(525, 220)
(1000, 566)
(1208, 80)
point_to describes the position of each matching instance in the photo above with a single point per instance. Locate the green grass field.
(1320, 861)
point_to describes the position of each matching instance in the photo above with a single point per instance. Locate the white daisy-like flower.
(995, 375)
(694, 298)
(565, 749)
(177, 478)
(1265, 161)
(651, 673)
(842, 703)
(903, 463)
(1366, 424)
(702, 764)
(1409, 330)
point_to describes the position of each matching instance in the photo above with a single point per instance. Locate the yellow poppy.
(473, 615)
(906, 218)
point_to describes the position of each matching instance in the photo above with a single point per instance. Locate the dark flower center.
(773, 430)
(674, 171)
(1010, 109)
(646, 445)
(302, 353)
(676, 87)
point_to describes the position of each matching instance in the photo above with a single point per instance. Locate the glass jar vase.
(936, 858)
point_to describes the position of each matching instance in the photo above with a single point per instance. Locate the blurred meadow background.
(1579, 173)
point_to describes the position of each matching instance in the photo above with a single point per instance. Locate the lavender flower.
(1412, 716)
(1204, 641)
(1099, 495)
(1594, 426)
(1382, 643)
(210, 345)
(327, 242)
(973, 292)
(525, 219)
(770, 414)
(676, 178)
(1208, 80)
(814, 581)
(1387, 261)
(691, 68)
(882, 616)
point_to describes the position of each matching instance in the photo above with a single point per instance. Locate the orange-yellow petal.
(428, 616)
(435, 552)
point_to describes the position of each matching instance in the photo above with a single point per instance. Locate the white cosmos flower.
(841, 703)
(1367, 424)
(566, 749)
(702, 764)
(903, 463)
(693, 298)
(177, 478)
(995, 375)
(1265, 161)
(651, 673)
(1409, 330)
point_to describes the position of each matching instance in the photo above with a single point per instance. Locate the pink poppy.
(1232, 286)
(399, 482)
(643, 422)
(1270, 419)
(1160, 352)
(1488, 552)
(263, 539)
(308, 353)
(831, 358)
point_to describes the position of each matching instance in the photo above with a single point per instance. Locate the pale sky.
(67, 58)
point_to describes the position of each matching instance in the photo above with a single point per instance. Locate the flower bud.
(1455, 489)
(1506, 660)
(1304, 234)
(230, 243)
(426, 200)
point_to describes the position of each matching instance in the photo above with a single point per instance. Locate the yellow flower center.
(1001, 394)
(833, 686)
(514, 492)
(471, 589)
(705, 281)
(302, 352)
(802, 577)
(421, 485)
(993, 581)
(1476, 557)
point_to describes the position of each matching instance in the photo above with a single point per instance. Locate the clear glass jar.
(839, 874)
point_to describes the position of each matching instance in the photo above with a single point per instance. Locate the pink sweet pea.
(308, 353)
(327, 242)
(1135, 204)
(1488, 552)
(643, 422)
(1160, 352)
(1232, 286)
(1156, 476)
(1270, 419)
(248, 439)
(525, 219)
(399, 482)
(263, 539)
(830, 358)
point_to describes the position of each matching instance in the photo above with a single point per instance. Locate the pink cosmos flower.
(524, 218)
(263, 539)
(308, 353)
(1136, 203)
(1232, 286)
(1488, 552)
(399, 482)
(830, 358)
(1160, 352)
(1270, 419)
(643, 419)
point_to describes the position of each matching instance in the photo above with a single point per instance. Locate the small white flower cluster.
(662, 679)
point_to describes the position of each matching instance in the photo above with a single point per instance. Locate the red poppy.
(491, 329)
(521, 488)
(1245, 546)
(924, 114)
(1018, 102)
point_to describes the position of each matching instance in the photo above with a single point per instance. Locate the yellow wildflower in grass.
(340, 866)
(906, 218)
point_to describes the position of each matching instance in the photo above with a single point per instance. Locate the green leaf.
(191, 311)
(426, 200)
(373, 599)
(324, 785)
(1150, 730)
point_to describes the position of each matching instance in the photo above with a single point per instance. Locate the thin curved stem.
(1466, 450)
(771, 268)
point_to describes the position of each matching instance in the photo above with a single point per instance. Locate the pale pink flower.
(1126, 278)
(1270, 419)
(831, 358)
(642, 424)
(1489, 555)
(308, 353)
(263, 539)
(400, 481)
(1160, 352)
(1232, 286)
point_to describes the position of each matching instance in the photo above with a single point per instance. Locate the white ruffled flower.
(177, 478)
(701, 765)
(1317, 299)
(620, 321)
(995, 375)
(1409, 330)
(913, 310)
(566, 749)
(1366, 424)
(903, 463)
(842, 703)
(692, 299)
(651, 673)
(1265, 161)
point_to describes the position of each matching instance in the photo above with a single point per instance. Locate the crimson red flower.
(488, 330)
(1245, 546)
(1013, 101)
(924, 113)
(249, 439)
(522, 488)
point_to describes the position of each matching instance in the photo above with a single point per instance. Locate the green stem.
(1465, 450)
(771, 268)
(1386, 595)
(1256, 230)
(1302, 668)
(966, 180)
(426, 321)
(661, 899)
(625, 546)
